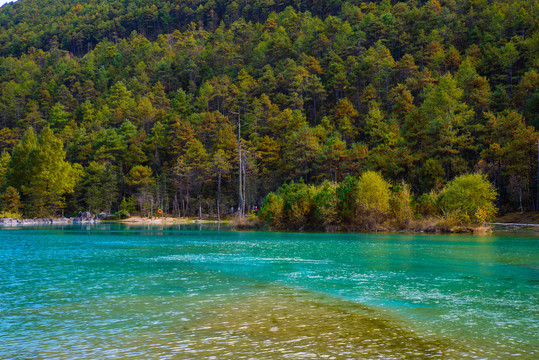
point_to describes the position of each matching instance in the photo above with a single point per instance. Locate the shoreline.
(249, 224)
(11, 222)
(7, 222)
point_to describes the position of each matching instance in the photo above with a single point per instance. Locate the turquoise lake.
(114, 291)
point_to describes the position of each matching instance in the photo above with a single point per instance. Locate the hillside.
(136, 104)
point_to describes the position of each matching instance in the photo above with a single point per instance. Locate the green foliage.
(470, 198)
(401, 205)
(140, 175)
(272, 211)
(362, 203)
(10, 201)
(10, 215)
(297, 204)
(292, 207)
(19, 171)
(128, 204)
(346, 200)
(152, 98)
(448, 132)
(373, 193)
(59, 117)
(141, 178)
(509, 146)
(4, 162)
(127, 207)
(38, 168)
(100, 187)
(372, 197)
(426, 204)
(325, 205)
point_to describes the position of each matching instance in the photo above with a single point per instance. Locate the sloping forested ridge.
(136, 104)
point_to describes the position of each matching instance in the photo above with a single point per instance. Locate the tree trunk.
(520, 200)
(243, 187)
(510, 79)
(219, 197)
(240, 206)
(314, 108)
(176, 205)
(537, 184)
(186, 211)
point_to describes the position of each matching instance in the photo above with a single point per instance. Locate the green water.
(118, 292)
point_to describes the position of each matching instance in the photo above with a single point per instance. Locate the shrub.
(298, 204)
(346, 200)
(427, 204)
(122, 214)
(401, 205)
(291, 207)
(372, 198)
(272, 212)
(127, 206)
(470, 197)
(9, 215)
(325, 205)
(449, 221)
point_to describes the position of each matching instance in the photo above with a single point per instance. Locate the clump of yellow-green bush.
(371, 203)
(467, 200)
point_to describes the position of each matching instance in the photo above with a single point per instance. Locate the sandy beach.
(167, 220)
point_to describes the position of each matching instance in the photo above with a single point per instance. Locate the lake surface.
(116, 292)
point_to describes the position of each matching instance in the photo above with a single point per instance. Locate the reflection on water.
(135, 292)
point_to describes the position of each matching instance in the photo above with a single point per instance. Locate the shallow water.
(113, 291)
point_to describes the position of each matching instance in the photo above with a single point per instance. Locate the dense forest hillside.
(133, 105)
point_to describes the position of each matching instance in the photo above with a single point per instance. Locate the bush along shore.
(369, 203)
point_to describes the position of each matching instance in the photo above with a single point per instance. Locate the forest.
(204, 107)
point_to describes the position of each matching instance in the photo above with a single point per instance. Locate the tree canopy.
(220, 103)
